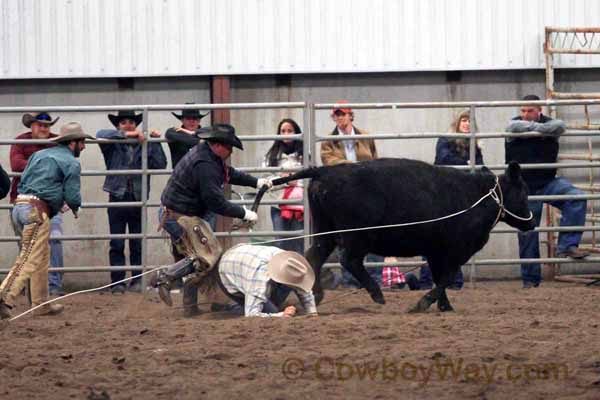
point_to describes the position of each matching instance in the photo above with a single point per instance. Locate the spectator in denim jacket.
(127, 188)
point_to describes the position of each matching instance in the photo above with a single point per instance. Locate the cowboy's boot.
(38, 289)
(190, 300)
(171, 274)
(4, 310)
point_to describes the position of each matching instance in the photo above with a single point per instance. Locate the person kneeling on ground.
(257, 278)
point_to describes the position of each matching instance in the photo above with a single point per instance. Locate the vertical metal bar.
(307, 136)
(472, 156)
(144, 198)
(549, 71)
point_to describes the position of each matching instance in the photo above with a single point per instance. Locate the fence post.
(144, 198)
(472, 159)
(308, 115)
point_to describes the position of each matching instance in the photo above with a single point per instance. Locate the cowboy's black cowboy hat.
(220, 133)
(189, 113)
(121, 115)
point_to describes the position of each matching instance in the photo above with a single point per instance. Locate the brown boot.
(49, 310)
(4, 310)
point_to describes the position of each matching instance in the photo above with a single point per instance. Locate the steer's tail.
(312, 172)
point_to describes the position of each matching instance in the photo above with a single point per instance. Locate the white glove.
(250, 216)
(264, 181)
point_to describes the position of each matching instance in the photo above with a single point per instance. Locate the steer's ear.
(513, 171)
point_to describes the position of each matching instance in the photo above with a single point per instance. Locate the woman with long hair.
(287, 154)
(451, 151)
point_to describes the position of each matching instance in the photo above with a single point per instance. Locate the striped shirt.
(243, 270)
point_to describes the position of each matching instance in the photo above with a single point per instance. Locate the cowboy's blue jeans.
(573, 214)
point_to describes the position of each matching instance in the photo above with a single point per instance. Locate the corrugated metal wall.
(101, 38)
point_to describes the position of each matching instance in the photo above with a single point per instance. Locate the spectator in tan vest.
(338, 151)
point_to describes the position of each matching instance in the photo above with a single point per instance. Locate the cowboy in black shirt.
(183, 139)
(196, 189)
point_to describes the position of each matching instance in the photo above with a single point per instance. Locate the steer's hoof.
(378, 297)
(445, 307)
(420, 307)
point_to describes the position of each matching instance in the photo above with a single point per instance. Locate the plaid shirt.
(243, 269)
(391, 275)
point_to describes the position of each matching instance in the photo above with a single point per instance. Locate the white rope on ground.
(85, 291)
(491, 193)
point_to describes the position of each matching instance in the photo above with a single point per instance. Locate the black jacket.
(179, 144)
(196, 185)
(534, 150)
(4, 183)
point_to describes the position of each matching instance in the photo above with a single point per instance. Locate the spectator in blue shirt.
(127, 188)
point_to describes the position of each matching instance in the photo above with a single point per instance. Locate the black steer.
(398, 191)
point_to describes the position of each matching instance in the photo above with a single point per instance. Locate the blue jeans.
(375, 272)
(281, 224)
(56, 252)
(175, 230)
(19, 219)
(573, 213)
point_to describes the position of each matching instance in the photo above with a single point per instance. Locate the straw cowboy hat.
(221, 133)
(71, 131)
(189, 113)
(41, 117)
(290, 268)
(121, 115)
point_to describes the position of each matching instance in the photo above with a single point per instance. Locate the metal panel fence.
(310, 141)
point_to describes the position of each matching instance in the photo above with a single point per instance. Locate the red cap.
(346, 110)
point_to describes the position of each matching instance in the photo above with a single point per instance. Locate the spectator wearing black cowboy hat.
(182, 139)
(196, 188)
(127, 188)
(39, 125)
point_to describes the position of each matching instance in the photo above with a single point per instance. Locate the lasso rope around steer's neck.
(502, 211)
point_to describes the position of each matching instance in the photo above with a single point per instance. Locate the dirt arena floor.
(502, 342)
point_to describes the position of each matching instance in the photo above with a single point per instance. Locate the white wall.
(105, 38)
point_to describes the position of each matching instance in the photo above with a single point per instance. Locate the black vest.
(534, 150)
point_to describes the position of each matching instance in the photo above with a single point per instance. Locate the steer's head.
(514, 192)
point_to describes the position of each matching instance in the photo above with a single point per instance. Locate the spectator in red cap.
(344, 151)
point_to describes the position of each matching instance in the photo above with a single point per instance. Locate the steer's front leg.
(357, 269)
